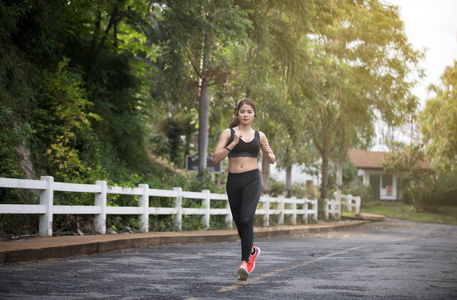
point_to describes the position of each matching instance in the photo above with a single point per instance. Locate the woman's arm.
(222, 150)
(266, 149)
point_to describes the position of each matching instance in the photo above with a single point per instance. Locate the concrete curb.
(60, 247)
(367, 217)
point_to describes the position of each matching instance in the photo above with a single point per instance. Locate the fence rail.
(351, 202)
(306, 208)
(332, 208)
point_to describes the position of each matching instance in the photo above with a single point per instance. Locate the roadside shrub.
(424, 198)
(276, 188)
(365, 192)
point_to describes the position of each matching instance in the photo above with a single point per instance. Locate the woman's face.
(246, 114)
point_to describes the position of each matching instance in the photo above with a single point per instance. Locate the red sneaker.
(252, 257)
(243, 271)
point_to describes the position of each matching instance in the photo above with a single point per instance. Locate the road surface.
(384, 260)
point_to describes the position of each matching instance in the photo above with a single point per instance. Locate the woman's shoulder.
(227, 131)
(261, 134)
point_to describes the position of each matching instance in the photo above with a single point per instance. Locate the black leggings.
(243, 191)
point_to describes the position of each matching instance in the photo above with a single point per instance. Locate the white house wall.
(382, 191)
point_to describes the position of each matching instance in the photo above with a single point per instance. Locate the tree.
(439, 122)
(407, 163)
(196, 34)
(273, 63)
(360, 66)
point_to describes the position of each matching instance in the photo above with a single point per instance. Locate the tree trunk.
(25, 160)
(203, 120)
(96, 49)
(339, 180)
(288, 185)
(203, 104)
(326, 151)
(265, 175)
(266, 170)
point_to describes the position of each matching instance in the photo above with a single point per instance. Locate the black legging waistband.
(244, 173)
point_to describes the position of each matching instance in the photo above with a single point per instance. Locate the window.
(386, 180)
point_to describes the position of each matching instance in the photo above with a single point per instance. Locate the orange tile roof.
(373, 160)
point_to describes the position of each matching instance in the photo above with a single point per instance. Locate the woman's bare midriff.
(242, 164)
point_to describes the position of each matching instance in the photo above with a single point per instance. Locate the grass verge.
(399, 210)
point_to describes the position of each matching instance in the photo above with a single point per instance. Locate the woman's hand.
(222, 149)
(266, 148)
(270, 156)
(236, 138)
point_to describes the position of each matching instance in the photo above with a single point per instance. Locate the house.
(370, 172)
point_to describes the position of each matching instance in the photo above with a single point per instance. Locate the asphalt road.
(386, 260)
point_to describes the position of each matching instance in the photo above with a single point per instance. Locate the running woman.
(241, 144)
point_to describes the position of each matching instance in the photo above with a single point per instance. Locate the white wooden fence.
(334, 207)
(351, 202)
(46, 208)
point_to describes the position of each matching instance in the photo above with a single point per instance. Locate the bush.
(365, 192)
(424, 197)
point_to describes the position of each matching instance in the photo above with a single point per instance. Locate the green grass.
(398, 210)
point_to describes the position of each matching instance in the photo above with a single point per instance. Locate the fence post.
(47, 199)
(305, 208)
(349, 202)
(100, 200)
(144, 200)
(266, 205)
(357, 204)
(294, 207)
(178, 206)
(207, 205)
(228, 217)
(316, 209)
(338, 204)
(281, 206)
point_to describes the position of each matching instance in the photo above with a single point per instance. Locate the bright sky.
(431, 24)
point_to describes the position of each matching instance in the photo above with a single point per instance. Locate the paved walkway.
(65, 246)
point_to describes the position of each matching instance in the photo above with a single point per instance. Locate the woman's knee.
(247, 223)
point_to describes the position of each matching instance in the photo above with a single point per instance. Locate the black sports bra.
(243, 149)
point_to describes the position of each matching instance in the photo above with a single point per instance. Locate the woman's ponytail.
(235, 122)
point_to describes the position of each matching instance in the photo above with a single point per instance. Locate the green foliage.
(359, 64)
(192, 222)
(276, 188)
(406, 164)
(399, 210)
(428, 188)
(9, 137)
(123, 223)
(365, 192)
(96, 90)
(431, 192)
(218, 222)
(162, 223)
(349, 174)
(167, 139)
(18, 225)
(439, 122)
(424, 196)
(66, 103)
